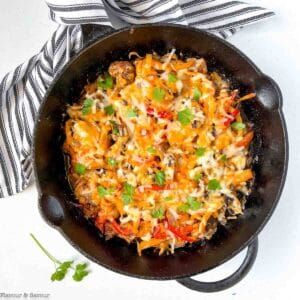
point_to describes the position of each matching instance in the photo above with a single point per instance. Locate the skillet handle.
(91, 32)
(238, 275)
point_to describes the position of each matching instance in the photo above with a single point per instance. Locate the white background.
(274, 45)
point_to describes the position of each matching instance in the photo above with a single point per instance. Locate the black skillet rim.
(278, 110)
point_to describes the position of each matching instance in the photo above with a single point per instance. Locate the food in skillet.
(159, 151)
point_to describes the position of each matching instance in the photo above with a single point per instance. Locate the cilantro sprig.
(128, 193)
(115, 127)
(160, 178)
(131, 113)
(158, 213)
(87, 106)
(196, 94)
(214, 184)
(172, 78)
(200, 151)
(62, 268)
(106, 83)
(191, 203)
(158, 94)
(185, 116)
(102, 191)
(80, 168)
(151, 150)
(109, 109)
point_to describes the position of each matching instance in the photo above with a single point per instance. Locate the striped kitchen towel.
(22, 90)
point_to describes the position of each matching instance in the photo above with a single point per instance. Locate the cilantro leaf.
(115, 127)
(168, 198)
(131, 113)
(87, 106)
(193, 203)
(61, 271)
(160, 178)
(185, 116)
(172, 78)
(107, 83)
(109, 109)
(183, 207)
(223, 157)
(80, 168)
(214, 184)
(158, 94)
(157, 213)
(198, 176)
(126, 199)
(104, 192)
(196, 94)
(127, 196)
(238, 125)
(62, 268)
(80, 272)
(58, 276)
(151, 150)
(129, 189)
(200, 151)
(111, 162)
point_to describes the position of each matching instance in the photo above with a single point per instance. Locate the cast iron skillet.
(269, 149)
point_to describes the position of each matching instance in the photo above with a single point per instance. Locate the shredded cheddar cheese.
(159, 151)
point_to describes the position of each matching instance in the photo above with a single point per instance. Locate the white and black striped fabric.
(22, 90)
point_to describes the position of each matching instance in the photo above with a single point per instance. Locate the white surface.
(274, 46)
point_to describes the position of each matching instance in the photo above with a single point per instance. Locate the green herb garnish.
(115, 127)
(151, 150)
(131, 113)
(184, 207)
(213, 185)
(200, 151)
(158, 213)
(102, 191)
(160, 178)
(193, 203)
(223, 157)
(185, 116)
(109, 110)
(168, 198)
(172, 78)
(62, 268)
(111, 162)
(158, 94)
(196, 94)
(198, 176)
(238, 125)
(107, 83)
(127, 195)
(80, 272)
(79, 168)
(87, 106)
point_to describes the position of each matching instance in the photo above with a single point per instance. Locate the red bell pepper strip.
(118, 228)
(150, 110)
(165, 115)
(230, 119)
(179, 234)
(159, 233)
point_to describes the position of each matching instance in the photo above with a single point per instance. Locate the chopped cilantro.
(214, 184)
(160, 178)
(87, 106)
(185, 116)
(158, 94)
